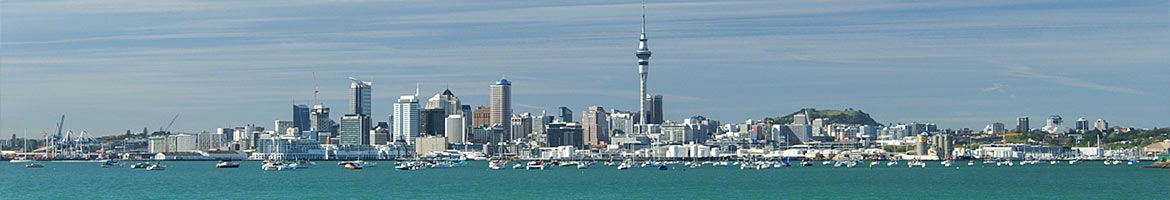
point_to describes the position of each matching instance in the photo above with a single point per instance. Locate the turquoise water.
(200, 180)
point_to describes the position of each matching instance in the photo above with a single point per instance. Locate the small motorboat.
(139, 165)
(535, 165)
(156, 167)
(112, 164)
(34, 165)
(806, 163)
(227, 164)
(353, 166)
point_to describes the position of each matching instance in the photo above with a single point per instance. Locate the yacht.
(496, 164)
(276, 166)
(663, 167)
(34, 165)
(947, 163)
(971, 163)
(806, 163)
(1073, 162)
(227, 164)
(871, 164)
(535, 165)
(623, 166)
(892, 163)
(300, 164)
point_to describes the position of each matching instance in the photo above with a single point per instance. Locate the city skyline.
(961, 71)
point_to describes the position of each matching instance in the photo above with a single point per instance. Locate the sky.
(112, 66)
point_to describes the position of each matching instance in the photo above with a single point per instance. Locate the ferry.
(227, 164)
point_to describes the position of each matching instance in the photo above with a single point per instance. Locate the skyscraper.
(359, 98)
(301, 117)
(643, 54)
(654, 110)
(595, 125)
(1022, 125)
(406, 119)
(319, 119)
(352, 129)
(501, 103)
(445, 101)
(432, 122)
(566, 114)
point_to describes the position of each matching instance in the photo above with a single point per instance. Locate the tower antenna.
(315, 88)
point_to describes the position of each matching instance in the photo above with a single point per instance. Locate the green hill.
(847, 116)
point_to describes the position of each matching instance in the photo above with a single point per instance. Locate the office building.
(654, 109)
(501, 103)
(359, 100)
(1022, 125)
(301, 119)
(432, 122)
(285, 128)
(566, 114)
(455, 130)
(621, 123)
(352, 129)
(564, 134)
(595, 126)
(445, 101)
(521, 126)
(481, 117)
(406, 119)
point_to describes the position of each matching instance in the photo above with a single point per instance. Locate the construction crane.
(315, 88)
(168, 127)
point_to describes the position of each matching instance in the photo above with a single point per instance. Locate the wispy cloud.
(994, 87)
(1024, 71)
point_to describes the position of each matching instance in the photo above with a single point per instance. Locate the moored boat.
(34, 165)
(227, 164)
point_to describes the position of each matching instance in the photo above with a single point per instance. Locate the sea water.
(326, 180)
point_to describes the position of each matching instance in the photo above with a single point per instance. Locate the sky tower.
(643, 54)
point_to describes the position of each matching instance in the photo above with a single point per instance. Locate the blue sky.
(117, 65)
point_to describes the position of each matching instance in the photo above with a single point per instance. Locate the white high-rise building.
(406, 119)
(359, 99)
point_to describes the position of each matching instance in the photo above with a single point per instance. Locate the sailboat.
(23, 159)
